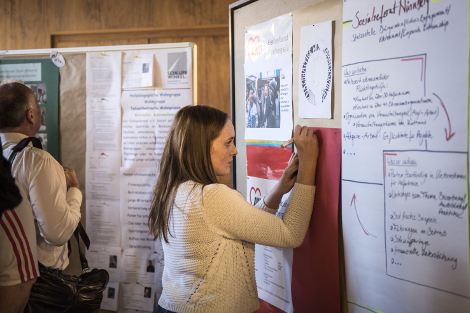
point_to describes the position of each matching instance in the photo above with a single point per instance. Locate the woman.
(208, 230)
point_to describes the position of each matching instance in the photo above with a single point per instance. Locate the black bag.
(54, 292)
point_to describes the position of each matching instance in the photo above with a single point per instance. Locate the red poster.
(315, 270)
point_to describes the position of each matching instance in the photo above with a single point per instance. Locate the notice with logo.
(268, 111)
(266, 162)
(315, 71)
(273, 266)
(137, 69)
(404, 155)
(174, 68)
(268, 40)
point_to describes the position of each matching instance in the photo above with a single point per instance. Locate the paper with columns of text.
(147, 117)
(103, 95)
(136, 198)
(102, 221)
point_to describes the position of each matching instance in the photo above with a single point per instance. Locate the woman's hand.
(306, 143)
(285, 184)
(289, 176)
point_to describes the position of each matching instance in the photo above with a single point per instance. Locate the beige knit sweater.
(209, 260)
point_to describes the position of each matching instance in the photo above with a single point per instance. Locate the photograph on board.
(268, 99)
(111, 292)
(43, 139)
(262, 100)
(43, 119)
(147, 292)
(40, 92)
(112, 261)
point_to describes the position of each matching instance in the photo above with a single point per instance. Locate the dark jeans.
(159, 309)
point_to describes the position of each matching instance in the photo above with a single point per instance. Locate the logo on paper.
(316, 74)
(255, 195)
(177, 65)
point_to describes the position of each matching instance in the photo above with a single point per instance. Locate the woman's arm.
(228, 214)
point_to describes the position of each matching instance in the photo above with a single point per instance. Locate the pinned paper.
(57, 59)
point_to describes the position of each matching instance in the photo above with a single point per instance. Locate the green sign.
(42, 76)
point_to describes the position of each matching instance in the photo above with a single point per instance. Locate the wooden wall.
(40, 24)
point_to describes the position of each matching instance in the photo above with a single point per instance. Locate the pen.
(288, 142)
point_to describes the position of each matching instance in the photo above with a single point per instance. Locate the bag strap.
(79, 231)
(23, 144)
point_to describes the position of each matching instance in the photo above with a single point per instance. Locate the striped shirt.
(18, 257)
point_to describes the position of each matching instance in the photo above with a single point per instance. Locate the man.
(51, 190)
(259, 100)
(251, 112)
(270, 105)
(150, 267)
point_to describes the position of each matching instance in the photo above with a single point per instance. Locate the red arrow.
(353, 200)
(450, 134)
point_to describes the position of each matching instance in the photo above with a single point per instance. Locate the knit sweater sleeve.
(226, 213)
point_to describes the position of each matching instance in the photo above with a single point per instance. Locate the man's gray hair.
(15, 101)
(11, 80)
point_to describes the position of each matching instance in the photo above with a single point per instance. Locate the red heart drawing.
(255, 190)
(248, 48)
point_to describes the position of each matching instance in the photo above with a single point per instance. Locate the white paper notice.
(136, 198)
(30, 72)
(102, 221)
(147, 117)
(138, 296)
(137, 69)
(103, 91)
(103, 125)
(404, 126)
(105, 257)
(102, 175)
(315, 71)
(270, 39)
(138, 266)
(103, 75)
(268, 112)
(273, 266)
(110, 297)
(174, 68)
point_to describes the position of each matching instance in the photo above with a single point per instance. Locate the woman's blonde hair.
(186, 156)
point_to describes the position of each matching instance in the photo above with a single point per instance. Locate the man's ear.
(30, 116)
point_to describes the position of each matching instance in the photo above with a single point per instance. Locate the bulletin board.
(397, 242)
(71, 132)
(317, 285)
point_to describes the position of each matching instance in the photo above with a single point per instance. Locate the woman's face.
(223, 149)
